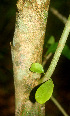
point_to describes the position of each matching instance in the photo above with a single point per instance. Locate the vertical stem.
(27, 49)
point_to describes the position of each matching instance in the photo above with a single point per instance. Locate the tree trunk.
(27, 49)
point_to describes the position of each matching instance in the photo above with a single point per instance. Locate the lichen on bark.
(27, 49)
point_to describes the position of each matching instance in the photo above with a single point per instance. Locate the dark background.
(61, 76)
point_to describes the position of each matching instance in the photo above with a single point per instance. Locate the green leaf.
(52, 48)
(36, 67)
(65, 52)
(51, 40)
(44, 92)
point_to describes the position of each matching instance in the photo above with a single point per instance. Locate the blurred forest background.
(61, 76)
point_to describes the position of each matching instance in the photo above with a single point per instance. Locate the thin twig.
(46, 58)
(56, 13)
(59, 106)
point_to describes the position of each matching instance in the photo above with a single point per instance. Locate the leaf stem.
(57, 54)
(59, 106)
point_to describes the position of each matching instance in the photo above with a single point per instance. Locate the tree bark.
(27, 48)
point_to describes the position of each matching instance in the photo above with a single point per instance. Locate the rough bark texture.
(27, 49)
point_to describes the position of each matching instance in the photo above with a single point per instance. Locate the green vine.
(58, 52)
